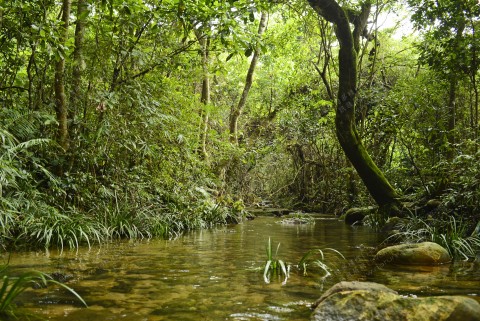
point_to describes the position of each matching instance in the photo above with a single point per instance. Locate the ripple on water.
(217, 275)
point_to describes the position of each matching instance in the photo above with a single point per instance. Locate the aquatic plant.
(451, 234)
(274, 265)
(316, 257)
(12, 286)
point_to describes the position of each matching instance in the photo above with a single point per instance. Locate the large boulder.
(426, 253)
(372, 303)
(353, 286)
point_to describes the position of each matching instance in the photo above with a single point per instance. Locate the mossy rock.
(353, 286)
(357, 214)
(433, 204)
(425, 253)
(393, 224)
(375, 303)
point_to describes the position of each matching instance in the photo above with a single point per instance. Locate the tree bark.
(236, 111)
(205, 98)
(60, 97)
(78, 62)
(380, 189)
(452, 95)
(452, 98)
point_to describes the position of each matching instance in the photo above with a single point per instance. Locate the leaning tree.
(349, 26)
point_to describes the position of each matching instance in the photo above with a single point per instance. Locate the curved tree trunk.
(376, 183)
(237, 110)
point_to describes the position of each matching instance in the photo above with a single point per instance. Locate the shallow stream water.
(217, 274)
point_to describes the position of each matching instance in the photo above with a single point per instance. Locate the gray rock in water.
(378, 303)
(425, 253)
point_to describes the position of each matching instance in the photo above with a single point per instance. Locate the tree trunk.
(205, 98)
(60, 99)
(237, 111)
(78, 62)
(452, 97)
(376, 183)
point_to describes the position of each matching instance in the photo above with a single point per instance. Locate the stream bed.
(218, 274)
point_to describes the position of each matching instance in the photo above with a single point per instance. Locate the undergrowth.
(450, 233)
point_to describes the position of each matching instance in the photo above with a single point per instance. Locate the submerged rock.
(355, 301)
(425, 253)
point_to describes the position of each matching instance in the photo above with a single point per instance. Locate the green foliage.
(48, 226)
(274, 266)
(12, 286)
(463, 180)
(311, 258)
(448, 46)
(452, 234)
(133, 167)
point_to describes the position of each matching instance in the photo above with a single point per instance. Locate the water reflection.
(213, 275)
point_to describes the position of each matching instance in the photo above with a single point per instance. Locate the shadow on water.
(216, 274)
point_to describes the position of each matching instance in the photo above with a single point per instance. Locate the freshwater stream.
(217, 274)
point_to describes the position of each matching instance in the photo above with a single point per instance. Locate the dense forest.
(145, 118)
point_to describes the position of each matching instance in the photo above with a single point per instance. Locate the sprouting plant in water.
(273, 265)
(316, 257)
(12, 286)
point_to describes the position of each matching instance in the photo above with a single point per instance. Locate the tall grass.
(451, 234)
(94, 200)
(274, 266)
(49, 227)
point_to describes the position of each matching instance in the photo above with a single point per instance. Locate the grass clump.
(313, 258)
(274, 265)
(452, 234)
